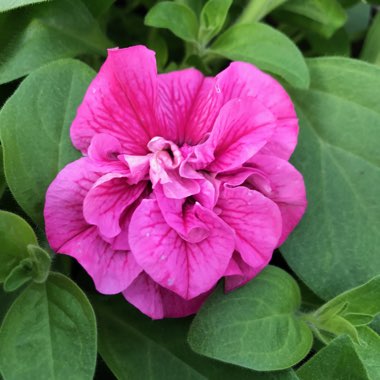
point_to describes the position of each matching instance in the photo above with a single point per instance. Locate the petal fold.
(68, 232)
(158, 302)
(120, 101)
(242, 128)
(287, 189)
(186, 268)
(256, 221)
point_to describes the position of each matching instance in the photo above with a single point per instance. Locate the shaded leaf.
(7, 5)
(371, 48)
(320, 16)
(156, 343)
(34, 36)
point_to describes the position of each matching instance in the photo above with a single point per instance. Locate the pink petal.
(242, 79)
(177, 92)
(104, 148)
(121, 101)
(138, 167)
(107, 200)
(256, 221)
(158, 302)
(68, 232)
(287, 189)
(180, 217)
(185, 268)
(64, 202)
(239, 273)
(242, 128)
(112, 271)
(104, 151)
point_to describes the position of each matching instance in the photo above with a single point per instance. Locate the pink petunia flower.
(184, 181)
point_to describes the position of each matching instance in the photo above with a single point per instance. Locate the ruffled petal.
(239, 273)
(177, 92)
(184, 267)
(242, 79)
(121, 101)
(287, 189)
(158, 302)
(242, 128)
(256, 221)
(106, 201)
(112, 271)
(64, 202)
(68, 232)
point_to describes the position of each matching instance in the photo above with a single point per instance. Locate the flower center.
(169, 168)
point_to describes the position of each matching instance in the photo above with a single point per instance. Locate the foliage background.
(312, 314)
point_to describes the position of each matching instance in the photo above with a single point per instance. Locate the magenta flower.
(184, 180)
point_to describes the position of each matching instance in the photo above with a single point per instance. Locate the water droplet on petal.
(217, 88)
(147, 234)
(170, 281)
(162, 257)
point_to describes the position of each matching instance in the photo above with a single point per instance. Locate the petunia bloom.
(184, 180)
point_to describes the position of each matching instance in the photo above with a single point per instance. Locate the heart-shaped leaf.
(255, 326)
(49, 333)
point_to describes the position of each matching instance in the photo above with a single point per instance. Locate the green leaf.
(159, 349)
(255, 326)
(337, 361)
(337, 44)
(36, 268)
(15, 235)
(44, 33)
(178, 18)
(369, 351)
(338, 155)
(265, 47)
(320, 16)
(41, 263)
(7, 5)
(19, 275)
(98, 7)
(3, 183)
(159, 45)
(36, 141)
(213, 16)
(359, 17)
(256, 10)
(6, 300)
(359, 319)
(49, 333)
(363, 300)
(371, 48)
(375, 325)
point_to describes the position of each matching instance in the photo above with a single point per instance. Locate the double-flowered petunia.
(184, 180)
